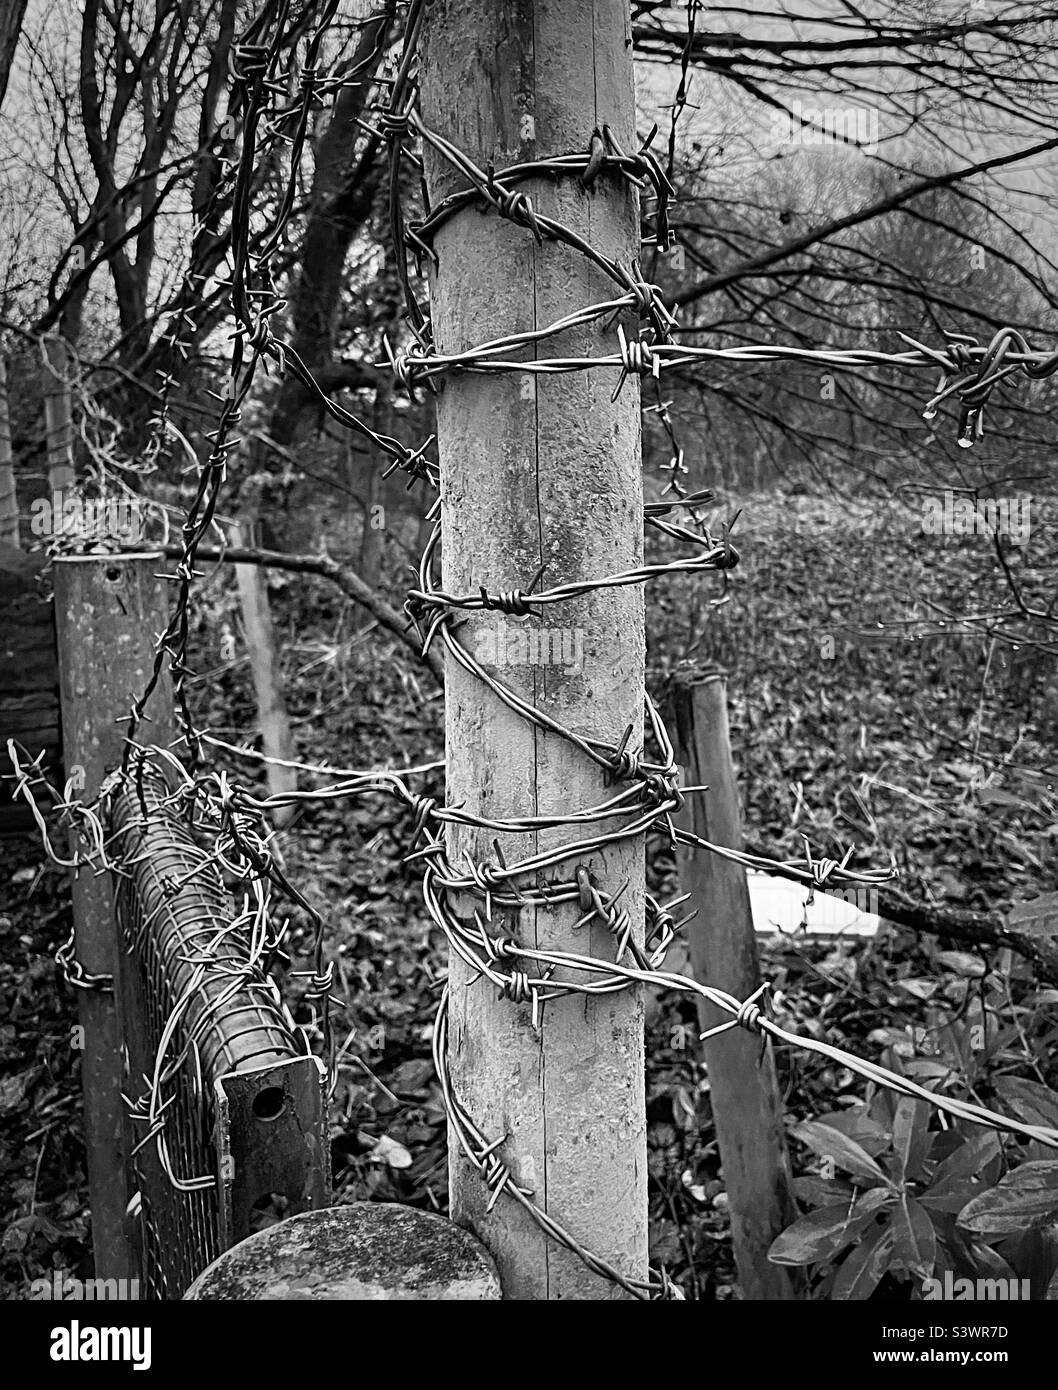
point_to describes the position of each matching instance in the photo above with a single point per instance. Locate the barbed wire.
(499, 958)
(970, 371)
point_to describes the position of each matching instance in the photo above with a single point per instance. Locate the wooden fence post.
(541, 470)
(109, 609)
(273, 719)
(723, 946)
(58, 418)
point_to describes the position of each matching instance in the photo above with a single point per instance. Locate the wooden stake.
(108, 612)
(723, 944)
(272, 717)
(58, 417)
(541, 471)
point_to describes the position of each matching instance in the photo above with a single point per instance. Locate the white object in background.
(778, 907)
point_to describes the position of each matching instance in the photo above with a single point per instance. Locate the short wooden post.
(723, 946)
(109, 610)
(541, 470)
(272, 717)
(58, 417)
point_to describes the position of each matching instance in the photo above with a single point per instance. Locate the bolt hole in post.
(113, 574)
(269, 1103)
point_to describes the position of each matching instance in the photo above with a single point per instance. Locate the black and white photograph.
(528, 676)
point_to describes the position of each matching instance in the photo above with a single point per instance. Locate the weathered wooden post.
(723, 945)
(272, 717)
(58, 417)
(109, 610)
(541, 470)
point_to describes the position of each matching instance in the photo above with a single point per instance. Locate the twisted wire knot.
(496, 1176)
(662, 924)
(822, 870)
(485, 876)
(728, 557)
(661, 787)
(749, 1016)
(617, 919)
(414, 463)
(422, 806)
(518, 988)
(644, 293)
(415, 607)
(516, 206)
(637, 355)
(320, 982)
(402, 365)
(961, 356)
(394, 122)
(622, 766)
(510, 601)
(74, 973)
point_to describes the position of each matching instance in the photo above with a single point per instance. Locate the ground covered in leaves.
(861, 715)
